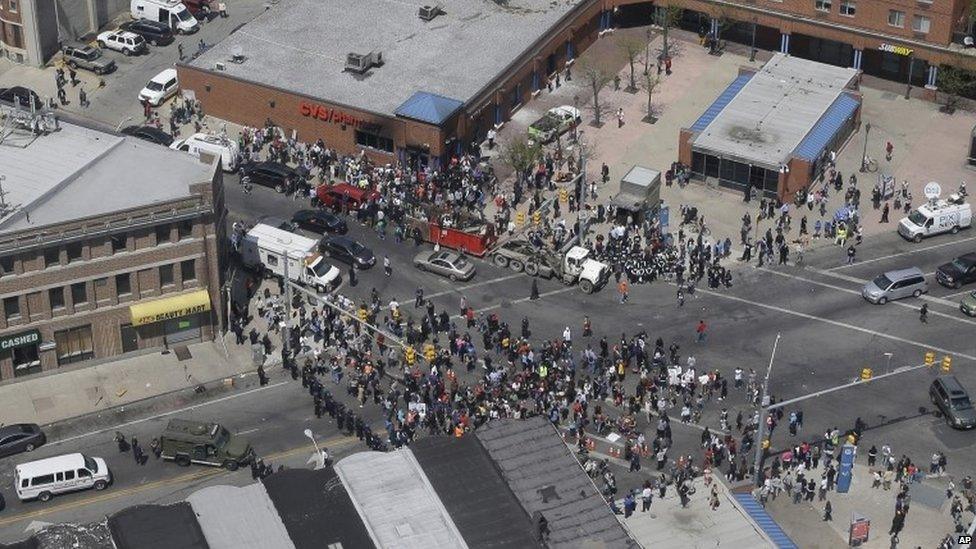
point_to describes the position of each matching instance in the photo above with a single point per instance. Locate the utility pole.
(286, 339)
(580, 208)
(864, 154)
(764, 407)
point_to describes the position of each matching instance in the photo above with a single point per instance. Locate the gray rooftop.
(233, 517)
(77, 172)
(301, 45)
(765, 122)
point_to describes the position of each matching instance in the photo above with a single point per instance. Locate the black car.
(153, 32)
(11, 96)
(348, 251)
(149, 133)
(271, 174)
(20, 437)
(959, 271)
(320, 221)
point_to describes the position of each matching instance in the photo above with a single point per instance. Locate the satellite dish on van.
(932, 190)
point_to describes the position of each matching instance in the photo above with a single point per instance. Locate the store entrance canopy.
(167, 308)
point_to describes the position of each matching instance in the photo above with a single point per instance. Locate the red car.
(344, 195)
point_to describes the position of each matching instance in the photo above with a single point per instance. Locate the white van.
(160, 88)
(171, 12)
(216, 145)
(941, 216)
(44, 478)
(265, 248)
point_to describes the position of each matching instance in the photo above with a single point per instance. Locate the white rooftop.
(769, 117)
(78, 172)
(233, 517)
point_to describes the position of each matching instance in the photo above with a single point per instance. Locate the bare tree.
(596, 76)
(668, 17)
(632, 47)
(649, 83)
(521, 155)
(723, 16)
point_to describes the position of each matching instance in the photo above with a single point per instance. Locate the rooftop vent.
(428, 13)
(219, 66)
(359, 63)
(237, 55)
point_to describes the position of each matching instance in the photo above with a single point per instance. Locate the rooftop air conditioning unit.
(237, 55)
(359, 63)
(219, 67)
(427, 13)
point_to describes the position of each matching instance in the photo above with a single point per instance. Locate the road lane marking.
(462, 289)
(521, 300)
(249, 431)
(837, 323)
(164, 414)
(334, 442)
(899, 254)
(857, 293)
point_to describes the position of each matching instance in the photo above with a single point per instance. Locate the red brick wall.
(684, 146)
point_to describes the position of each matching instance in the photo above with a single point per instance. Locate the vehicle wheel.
(916, 293)
(101, 44)
(100, 485)
(500, 261)
(279, 188)
(154, 42)
(516, 265)
(29, 448)
(230, 465)
(531, 269)
(955, 229)
(882, 300)
(44, 496)
(126, 52)
(183, 461)
(72, 64)
(586, 286)
(452, 278)
(917, 238)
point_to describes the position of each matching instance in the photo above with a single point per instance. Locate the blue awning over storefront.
(428, 107)
(827, 127)
(723, 100)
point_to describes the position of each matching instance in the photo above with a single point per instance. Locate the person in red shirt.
(700, 330)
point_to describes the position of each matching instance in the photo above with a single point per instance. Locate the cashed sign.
(19, 340)
(335, 116)
(897, 50)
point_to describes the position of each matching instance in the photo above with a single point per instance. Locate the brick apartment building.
(108, 245)
(30, 30)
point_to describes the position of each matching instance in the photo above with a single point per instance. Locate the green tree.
(520, 154)
(954, 82)
(668, 16)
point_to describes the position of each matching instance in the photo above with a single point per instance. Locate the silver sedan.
(445, 263)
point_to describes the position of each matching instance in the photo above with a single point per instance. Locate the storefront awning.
(177, 306)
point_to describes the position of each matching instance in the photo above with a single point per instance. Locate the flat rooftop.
(762, 119)
(301, 46)
(78, 172)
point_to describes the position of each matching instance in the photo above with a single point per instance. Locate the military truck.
(187, 442)
(575, 266)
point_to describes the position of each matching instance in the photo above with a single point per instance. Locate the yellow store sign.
(169, 308)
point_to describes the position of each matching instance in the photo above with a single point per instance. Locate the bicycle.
(869, 164)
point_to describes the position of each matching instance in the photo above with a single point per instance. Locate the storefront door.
(22, 349)
(130, 339)
(180, 330)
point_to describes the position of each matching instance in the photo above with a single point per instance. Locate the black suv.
(10, 96)
(959, 271)
(271, 174)
(149, 133)
(348, 251)
(953, 401)
(320, 221)
(153, 32)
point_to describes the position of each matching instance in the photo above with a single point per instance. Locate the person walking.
(923, 313)
(534, 295)
(828, 509)
(700, 330)
(884, 213)
(889, 149)
(851, 254)
(620, 117)
(387, 266)
(647, 495)
(623, 289)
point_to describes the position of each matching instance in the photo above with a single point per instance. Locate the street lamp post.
(311, 436)
(761, 428)
(911, 66)
(752, 52)
(864, 154)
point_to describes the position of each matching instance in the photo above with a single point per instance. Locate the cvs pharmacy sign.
(334, 116)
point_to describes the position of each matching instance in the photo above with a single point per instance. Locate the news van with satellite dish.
(936, 216)
(267, 249)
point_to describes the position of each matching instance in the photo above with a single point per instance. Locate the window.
(79, 293)
(921, 24)
(848, 8)
(166, 275)
(74, 345)
(163, 234)
(13, 5)
(42, 480)
(56, 296)
(6, 265)
(119, 242)
(272, 260)
(185, 229)
(52, 257)
(11, 307)
(69, 475)
(123, 284)
(84, 473)
(74, 252)
(188, 270)
(822, 5)
(896, 18)
(374, 141)
(26, 360)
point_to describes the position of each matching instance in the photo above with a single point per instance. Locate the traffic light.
(536, 218)
(429, 353)
(410, 354)
(362, 314)
(946, 363)
(520, 218)
(563, 195)
(866, 374)
(929, 358)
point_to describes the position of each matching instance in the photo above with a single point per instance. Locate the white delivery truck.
(170, 12)
(936, 217)
(266, 248)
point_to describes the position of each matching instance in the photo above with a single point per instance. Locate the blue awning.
(428, 107)
(724, 99)
(827, 127)
(765, 522)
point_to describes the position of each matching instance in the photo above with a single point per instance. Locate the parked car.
(277, 222)
(216, 145)
(896, 284)
(445, 263)
(953, 401)
(83, 56)
(160, 88)
(320, 221)
(968, 304)
(20, 437)
(126, 42)
(276, 175)
(348, 251)
(19, 94)
(154, 32)
(959, 271)
(343, 196)
(149, 133)
(554, 123)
